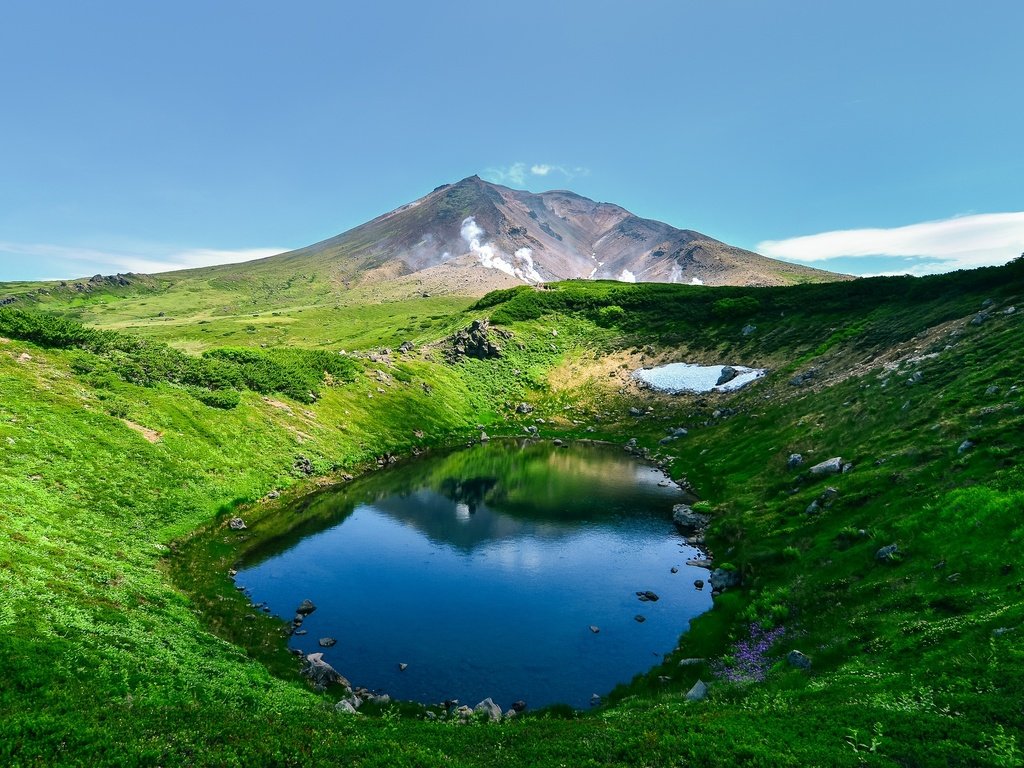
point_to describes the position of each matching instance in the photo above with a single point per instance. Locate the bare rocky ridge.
(474, 236)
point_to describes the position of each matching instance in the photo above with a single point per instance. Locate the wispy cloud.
(520, 174)
(150, 258)
(962, 242)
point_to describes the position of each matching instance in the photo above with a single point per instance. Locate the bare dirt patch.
(150, 434)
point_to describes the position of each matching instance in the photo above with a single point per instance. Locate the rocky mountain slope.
(474, 228)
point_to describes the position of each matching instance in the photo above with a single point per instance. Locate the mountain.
(477, 234)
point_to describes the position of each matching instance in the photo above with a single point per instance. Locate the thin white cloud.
(147, 259)
(519, 174)
(962, 242)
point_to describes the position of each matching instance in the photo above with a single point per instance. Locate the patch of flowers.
(749, 661)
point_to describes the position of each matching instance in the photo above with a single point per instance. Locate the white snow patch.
(689, 377)
(627, 277)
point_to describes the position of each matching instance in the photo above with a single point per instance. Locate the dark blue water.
(484, 569)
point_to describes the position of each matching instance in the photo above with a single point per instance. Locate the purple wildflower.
(749, 658)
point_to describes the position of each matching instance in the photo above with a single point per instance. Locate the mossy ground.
(917, 661)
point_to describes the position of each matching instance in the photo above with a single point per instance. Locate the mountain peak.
(473, 236)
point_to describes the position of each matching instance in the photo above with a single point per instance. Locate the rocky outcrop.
(479, 341)
(321, 674)
(688, 520)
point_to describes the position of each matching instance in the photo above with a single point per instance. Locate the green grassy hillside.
(117, 445)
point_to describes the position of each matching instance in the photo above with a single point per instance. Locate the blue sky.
(152, 135)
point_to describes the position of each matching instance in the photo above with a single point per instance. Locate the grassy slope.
(107, 663)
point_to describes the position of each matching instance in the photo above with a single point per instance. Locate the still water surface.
(483, 570)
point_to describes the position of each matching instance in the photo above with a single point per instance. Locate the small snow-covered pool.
(689, 377)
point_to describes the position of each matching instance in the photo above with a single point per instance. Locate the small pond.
(485, 571)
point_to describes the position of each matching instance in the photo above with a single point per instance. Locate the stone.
(794, 460)
(698, 692)
(748, 329)
(519, 706)
(813, 508)
(684, 517)
(327, 642)
(964, 447)
(647, 596)
(635, 412)
(692, 662)
(477, 341)
(557, 442)
(345, 707)
(728, 374)
(887, 553)
(492, 710)
(992, 390)
(402, 666)
(594, 628)
(303, 466)
(673, 569)
(804, 378)
(321, 674)
(483, 437)
(639, 619)
(831, 466)
(980, 318)
(236, 524)
(594, 700)
(406, 347)
(722, 579)
(524, 408)
(698, 584)
(305, 608)
(798, 660)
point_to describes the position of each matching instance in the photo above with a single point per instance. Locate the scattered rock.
(492, 710)
(698, 692)
(992, 390)
(24, 357)
(688, 520)
(980, 318)
(813, 508)
(303, 466)
(406, 347)
(636, 412)
(722, 579)
(639, 619)
(673, 569)
(647, 596)
(798, 660)
(345, 707)
(402, 666)
(519, 706)
(236, 524)
(965, 446)
(524, 408)
(594, 700)
(728, 374)
(794, 460)
(327, 642)
(305, 608)
(748, 329)
(484, 438)
(594, 628)
(831, 466)
(887, 553)
(321, 674)
(698, 584)
(802, 379)
(690, 662)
